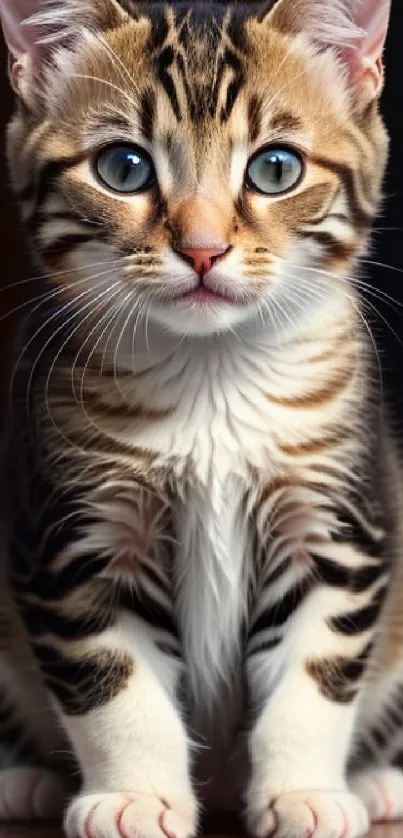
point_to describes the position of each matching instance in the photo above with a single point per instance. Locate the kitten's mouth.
(204, 295)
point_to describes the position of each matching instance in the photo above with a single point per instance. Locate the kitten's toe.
(30, 794)
(129, 815)
(311, 814)
(381, 791)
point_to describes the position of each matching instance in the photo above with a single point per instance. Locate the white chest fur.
(222, 409)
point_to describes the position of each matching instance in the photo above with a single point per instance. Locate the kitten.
(201, 574)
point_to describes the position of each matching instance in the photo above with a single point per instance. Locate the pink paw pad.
(312, 814)
(381, 791)
(127, 815)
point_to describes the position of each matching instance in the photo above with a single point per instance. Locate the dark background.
(388, 239)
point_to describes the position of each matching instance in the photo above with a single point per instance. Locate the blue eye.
(124, 168)
(274, 171)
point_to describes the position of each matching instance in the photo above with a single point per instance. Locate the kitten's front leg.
(130, 740)
(308, 648)
(101, 624)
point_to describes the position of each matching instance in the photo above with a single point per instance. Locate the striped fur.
(201, 563)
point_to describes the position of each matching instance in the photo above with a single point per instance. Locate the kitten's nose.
(202, 259)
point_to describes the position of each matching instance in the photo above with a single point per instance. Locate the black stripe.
(254, 117)
(352, 670)
(195, 112)
(346, 175)
(48, 176)
(235, 86)
(42, 216)
(356, 580)
(40, 621)
(147, 114)
(332, 244)
(338, 678)
(82, 685)
(380, 738)
(69, 241)
(54, 585)
(160, 31)
(265, 646)
(360, 620)
(397, 760)
(163, 62)
(169, 649)
(278, 614)
(162, 582)
(353, 530)
(215, 92)
(152, 612)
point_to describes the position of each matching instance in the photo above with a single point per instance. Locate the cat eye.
(274, 171)
(125, 168)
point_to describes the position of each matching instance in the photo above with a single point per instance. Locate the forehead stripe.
(163, 62)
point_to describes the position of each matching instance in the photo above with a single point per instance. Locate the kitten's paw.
(304, 814)
(30, 794)
(129, 815)
(381, 791)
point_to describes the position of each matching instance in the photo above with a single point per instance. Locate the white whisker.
(109, 84)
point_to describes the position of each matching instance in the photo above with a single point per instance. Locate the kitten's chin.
(187, 318)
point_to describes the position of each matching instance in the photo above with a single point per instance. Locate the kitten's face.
(212, 166)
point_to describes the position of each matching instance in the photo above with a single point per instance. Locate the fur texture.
(202, 538)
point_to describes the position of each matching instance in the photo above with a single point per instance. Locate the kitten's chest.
(212, 567)
(212, 420)
(215, 411)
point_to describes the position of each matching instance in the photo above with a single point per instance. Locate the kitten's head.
(210, 163)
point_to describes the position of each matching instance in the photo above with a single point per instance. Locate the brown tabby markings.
(316, 399)
(314, 446)
(338, 677)
(197, 93)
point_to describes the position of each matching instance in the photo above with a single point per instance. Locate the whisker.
(110, 318)
(96, 303)
(43, 326)
(109, 84)
(147, 317)
(124, 72)
(52, 274)
(51, 294)
(135, 331)
(360, 283)
(122, 331)
(387, 229)
(116, 319)
(381, 265)
(358, 310)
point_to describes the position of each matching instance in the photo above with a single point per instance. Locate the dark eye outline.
(131, 147)
(296, 152)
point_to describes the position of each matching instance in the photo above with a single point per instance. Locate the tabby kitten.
(202, 566)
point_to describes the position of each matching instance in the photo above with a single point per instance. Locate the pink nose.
(202, 259)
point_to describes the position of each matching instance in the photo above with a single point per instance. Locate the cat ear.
(34, 29)
(21, 41)
(356, 28)
(372, 16)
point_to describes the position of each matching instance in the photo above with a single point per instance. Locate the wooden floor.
(394, 830)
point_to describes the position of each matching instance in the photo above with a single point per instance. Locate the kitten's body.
(202, 497)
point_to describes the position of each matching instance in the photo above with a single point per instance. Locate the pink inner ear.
(373, 17)
(19, 38)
